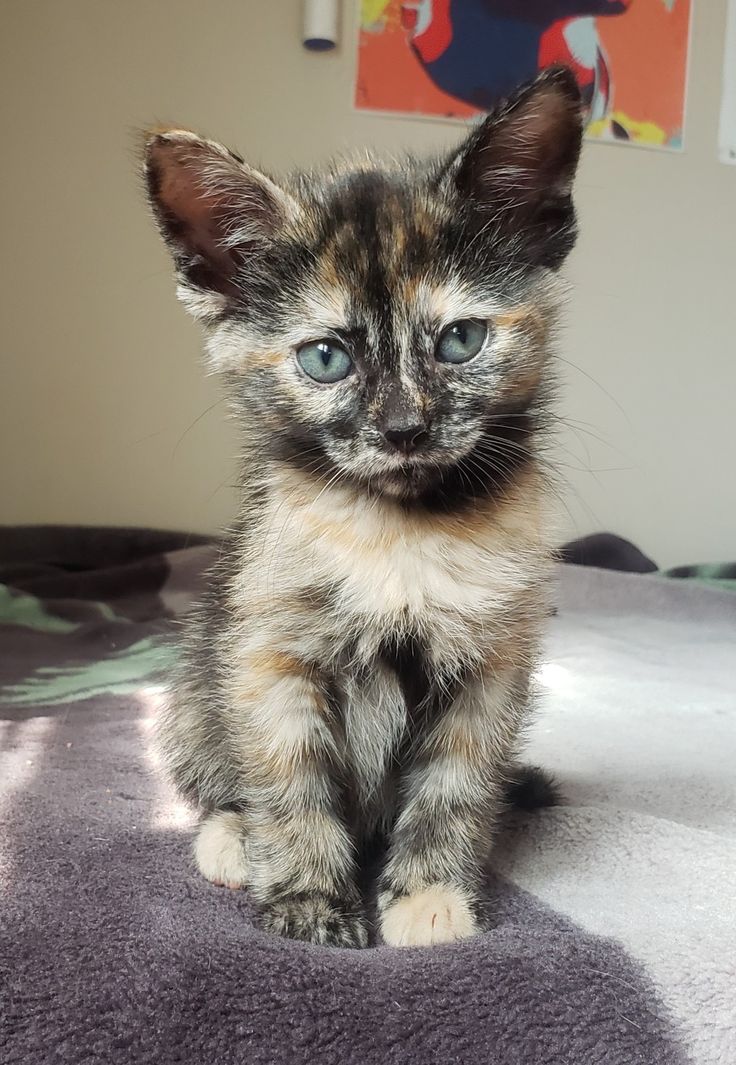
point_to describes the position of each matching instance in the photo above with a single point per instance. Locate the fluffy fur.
(359, 667)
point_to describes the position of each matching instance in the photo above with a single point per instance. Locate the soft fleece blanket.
(614, 916)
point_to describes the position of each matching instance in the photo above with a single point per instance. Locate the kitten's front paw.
(316, 919)
(220, 849)
(439, 914)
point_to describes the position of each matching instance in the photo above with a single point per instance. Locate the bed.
(613, 936)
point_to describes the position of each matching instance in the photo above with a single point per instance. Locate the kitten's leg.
(220, 849)
(301, 856)
(453, 794)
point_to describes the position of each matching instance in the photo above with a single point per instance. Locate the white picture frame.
(727, 126)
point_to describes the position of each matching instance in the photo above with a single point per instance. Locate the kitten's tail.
(529, 788)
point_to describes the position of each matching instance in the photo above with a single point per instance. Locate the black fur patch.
(531, 788)
(407, 658)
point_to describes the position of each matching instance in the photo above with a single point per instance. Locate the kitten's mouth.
(408, 476)
(484, 464)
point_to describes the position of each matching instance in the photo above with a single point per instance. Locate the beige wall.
(101, 387)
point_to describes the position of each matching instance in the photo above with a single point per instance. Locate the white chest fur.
(451, 578)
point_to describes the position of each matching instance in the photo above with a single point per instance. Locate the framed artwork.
(456, 58)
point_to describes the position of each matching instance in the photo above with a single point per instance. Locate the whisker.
(596, 383)
(196, 421)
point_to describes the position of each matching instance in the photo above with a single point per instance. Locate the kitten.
(360, 664)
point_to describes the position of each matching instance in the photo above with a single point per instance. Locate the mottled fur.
(360, 664)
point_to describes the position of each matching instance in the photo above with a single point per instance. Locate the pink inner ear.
(184, 198)
(182, 195)
(213, 210)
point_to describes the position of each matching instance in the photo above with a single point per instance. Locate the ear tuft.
(214, 212)
(517, 168)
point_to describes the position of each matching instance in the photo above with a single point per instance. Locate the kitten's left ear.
(517, 168)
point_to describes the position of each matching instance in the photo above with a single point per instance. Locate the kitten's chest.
(384, 573)
(418, 583)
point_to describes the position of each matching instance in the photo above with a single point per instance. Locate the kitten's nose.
(406, 438)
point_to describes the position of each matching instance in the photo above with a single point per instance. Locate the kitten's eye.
(461, 341)
(324, 361)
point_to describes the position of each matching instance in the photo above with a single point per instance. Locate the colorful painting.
(456, 58)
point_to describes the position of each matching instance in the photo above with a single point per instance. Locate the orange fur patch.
(525, 319)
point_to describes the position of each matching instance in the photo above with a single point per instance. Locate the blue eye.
(461, 341)
(324, 361)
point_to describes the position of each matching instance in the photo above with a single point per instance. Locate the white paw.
(219, 849)
(439, 914)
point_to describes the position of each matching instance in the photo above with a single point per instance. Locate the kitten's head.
(383, 324)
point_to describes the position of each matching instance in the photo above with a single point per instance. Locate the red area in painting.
(437, 36)
(391, 78)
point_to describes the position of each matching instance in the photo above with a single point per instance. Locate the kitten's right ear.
(214, 212)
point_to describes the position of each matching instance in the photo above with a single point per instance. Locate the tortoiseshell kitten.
(360, 664)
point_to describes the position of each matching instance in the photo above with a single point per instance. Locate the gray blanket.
(613, 939)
